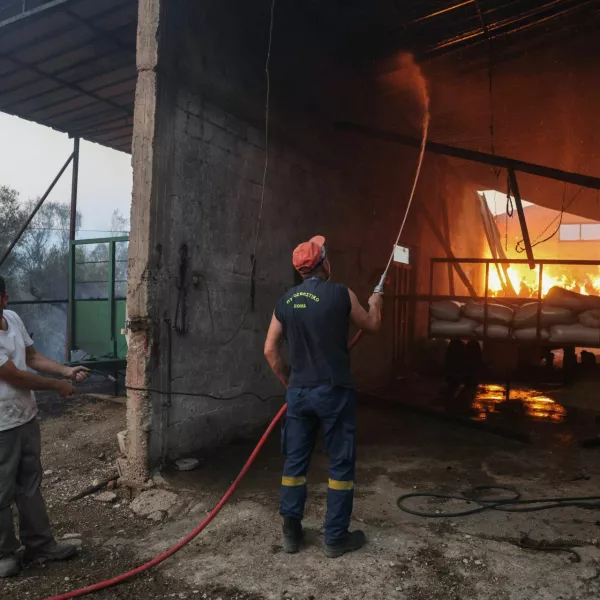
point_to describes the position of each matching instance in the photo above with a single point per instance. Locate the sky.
(496, 202)
(31, 155)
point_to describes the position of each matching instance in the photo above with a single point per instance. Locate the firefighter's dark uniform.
(315, 317)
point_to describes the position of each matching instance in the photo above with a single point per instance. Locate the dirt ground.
(240, 557)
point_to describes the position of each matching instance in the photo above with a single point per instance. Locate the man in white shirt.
(20, 443)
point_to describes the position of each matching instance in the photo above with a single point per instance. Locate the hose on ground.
(188, 538)
(513, 503)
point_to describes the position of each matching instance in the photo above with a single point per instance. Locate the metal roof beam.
(104, 128)
(68, 28)
(64, 83)
(91, 118)
(10, 105)
(103, 32)
(81, 63)
(36, 13)
(503, 162)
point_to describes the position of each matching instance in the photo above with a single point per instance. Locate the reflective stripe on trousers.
(309, 409)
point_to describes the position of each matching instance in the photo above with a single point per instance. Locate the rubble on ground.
(152, 501)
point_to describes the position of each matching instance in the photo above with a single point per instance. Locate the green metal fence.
(97, 306)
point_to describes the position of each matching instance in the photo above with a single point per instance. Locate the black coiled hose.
(513, 503)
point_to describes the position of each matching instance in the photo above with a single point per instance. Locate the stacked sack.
(453, 320)
(584, 329)
(566, 318)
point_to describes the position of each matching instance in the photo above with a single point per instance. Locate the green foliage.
(37, 268)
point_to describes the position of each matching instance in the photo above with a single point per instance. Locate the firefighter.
(314, 319)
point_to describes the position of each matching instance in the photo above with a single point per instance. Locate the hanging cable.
(510, 209)
(486, 32)
(264, 181)
(520, 248)
(205, 394)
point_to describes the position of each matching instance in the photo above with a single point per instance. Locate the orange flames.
(491, 401)
(525, 282)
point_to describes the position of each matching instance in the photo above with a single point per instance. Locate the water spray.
(409, 76)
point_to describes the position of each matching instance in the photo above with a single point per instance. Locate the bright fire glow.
(525, 282)
(491, 401)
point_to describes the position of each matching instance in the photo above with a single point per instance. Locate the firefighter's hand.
(376, 300)
(77, 374)
(64, 388)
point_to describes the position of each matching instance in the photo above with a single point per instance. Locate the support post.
(71, 302)
(74, 186)
(72, 231)
(514, 188)
(486, 301)
(538, 333)
(111, 294)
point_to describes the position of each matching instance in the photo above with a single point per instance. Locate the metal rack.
(486, 262)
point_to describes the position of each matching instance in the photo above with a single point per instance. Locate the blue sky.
(31, 156)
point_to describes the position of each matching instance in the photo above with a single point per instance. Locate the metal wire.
(264, 181)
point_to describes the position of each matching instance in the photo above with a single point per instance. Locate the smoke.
(405, 79)
(405, 83)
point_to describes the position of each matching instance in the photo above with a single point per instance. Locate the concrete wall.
(199, 156)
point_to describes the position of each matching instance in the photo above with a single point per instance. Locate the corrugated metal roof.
(371, 30)
(70, 65)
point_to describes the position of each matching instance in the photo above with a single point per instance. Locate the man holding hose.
(20, 443)
(314, 319)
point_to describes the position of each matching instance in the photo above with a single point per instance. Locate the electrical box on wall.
(401, 255)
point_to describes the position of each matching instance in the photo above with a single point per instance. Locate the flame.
(490, 400)
(525, 282)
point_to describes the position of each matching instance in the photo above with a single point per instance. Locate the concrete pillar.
(140, 324)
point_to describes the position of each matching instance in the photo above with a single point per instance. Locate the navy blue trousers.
(309, 409)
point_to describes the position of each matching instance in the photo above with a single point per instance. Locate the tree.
(43, 251)
(119, 223)
(12, 215)
(38, 267)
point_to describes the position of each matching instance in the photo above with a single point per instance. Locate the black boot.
(292, 535)
(353, 541)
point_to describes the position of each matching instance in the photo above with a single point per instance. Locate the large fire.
(525, 281)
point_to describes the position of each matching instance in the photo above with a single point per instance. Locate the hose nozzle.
(379, 287)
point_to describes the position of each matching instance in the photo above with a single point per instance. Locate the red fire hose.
(188, 538)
